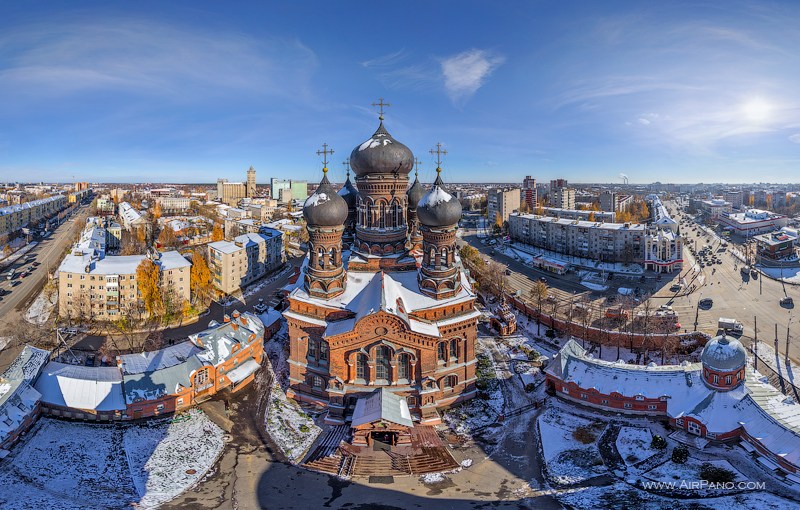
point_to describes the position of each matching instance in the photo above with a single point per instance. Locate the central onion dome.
(349, 193)
(724, 354)
(381, 154)
(438, 208)
(325, 208)
(415, 193)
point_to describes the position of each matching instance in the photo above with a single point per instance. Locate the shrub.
(530, 387)
(714, 474)
(658, 443)
(304, 428)
(680, 454)
(584, 434)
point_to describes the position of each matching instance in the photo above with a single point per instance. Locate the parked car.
(787, 301)
(706, 302)
(508, 272)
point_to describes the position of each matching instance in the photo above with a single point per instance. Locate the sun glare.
(757, 110)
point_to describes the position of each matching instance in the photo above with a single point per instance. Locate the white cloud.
(643, 121)
(386, 60)
(466, 72)
(795, 138)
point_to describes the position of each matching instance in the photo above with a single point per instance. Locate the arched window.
(382, 217)
(404, 367)
(321, 259)
(312, 348)
(432, 257)
(361, 367)
(382, 363)
(450, 381)
(443, 260)
(323, 350)
(454, 348)
(441, 353)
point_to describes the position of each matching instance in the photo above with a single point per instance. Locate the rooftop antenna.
(380, 104)
(324, 153)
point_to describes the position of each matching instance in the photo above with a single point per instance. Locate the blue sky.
(191, 91)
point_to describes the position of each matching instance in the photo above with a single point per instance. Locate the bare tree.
(538, 294)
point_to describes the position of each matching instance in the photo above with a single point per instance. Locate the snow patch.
(292, 429)
(432, 478)
(39, 312)
(434, 197)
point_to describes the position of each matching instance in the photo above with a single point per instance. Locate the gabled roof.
(382, 405)
(157, 360)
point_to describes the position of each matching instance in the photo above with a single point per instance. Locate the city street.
(48, 254)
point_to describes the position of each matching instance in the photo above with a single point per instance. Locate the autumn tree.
(157, 211)
(591, 216)
(539, 211)
(167, 238)
(217, 234)
(200, 278)
(148, 280)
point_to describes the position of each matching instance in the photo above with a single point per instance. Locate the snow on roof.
(582, 223)
(155, 384)
(435, 196)
(80, 387)
(218, 341)
(243, 371)
(122, 264)
(157, 360)
(27, 365)
(28, 205)
(383, 405)
(17, 401)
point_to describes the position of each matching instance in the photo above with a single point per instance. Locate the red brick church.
(384, 301)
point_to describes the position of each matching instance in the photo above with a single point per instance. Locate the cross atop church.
(346, 165)
(439, 153)
(417, 164)
(324, 153)
(380, 104)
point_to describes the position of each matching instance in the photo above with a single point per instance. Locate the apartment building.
(734, 197)
(578, 214)
(15, 217)
(245, 259)
(130, 217)
(658, 249)
(91, 285)
(230, 192)
(173, 205)
(562, 198)
(529, 192)
(501, 202)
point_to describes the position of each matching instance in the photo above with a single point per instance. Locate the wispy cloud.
(795, 138)
(466, 72)
(148, 58)
(386, 60)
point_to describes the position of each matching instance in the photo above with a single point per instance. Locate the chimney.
(226, 318)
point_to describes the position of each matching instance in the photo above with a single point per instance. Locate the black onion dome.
(349, 193)
(438, 208)
(325, 208)
(415, 193)
(381, 154)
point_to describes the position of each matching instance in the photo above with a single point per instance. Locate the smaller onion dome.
(349, 193)
(325, 208)
(724, 354)
(415, 193)
(381, 154)
(438, 208)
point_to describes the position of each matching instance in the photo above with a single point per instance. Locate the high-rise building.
(529, 192)
(608, 201)
(501, 202)
(734, 197)
(251, 182)
(276, 185)
(563, 198)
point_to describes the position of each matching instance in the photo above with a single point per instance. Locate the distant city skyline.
(190, 92)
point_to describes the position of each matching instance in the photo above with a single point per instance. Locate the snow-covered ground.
(688, 472)
(15, 245)
(594, 286)
(766, 354)
(289, 426)
(633, 444)
(788, 275)
(616, 267)
(39, 312)
(569, 460)
(68, 465)
(622, 495)
(4, 340)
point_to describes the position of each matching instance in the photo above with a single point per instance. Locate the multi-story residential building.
(501, 202)
(578, 214)
(613, 201)
(15, 217)
(173, 205)
(734, 197)
(113, 234)
(658, 249)
(761, 198)
(562, 198)
(106, 206)
(80, 186)
(276, 185)
(716, 207)
(99, 287)
(529, 192)
(245, 259)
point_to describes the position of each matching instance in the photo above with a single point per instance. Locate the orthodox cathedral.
(383, 302)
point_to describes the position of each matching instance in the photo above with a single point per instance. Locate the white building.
(752, 222)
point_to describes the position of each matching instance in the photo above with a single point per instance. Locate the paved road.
(734, 296)
(48, 253)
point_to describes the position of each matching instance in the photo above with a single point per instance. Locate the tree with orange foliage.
(217, 234)
(200, 278)
(167, 238)
(148, 281)
(157, 212)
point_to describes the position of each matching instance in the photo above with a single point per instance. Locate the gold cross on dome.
(380, 104)
(439, 153)
(324, 153)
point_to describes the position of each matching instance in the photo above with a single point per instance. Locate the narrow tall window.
(442, 351)
(404, 367)
(382, 363)
(361, 366)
